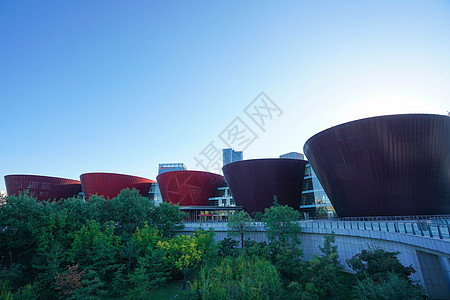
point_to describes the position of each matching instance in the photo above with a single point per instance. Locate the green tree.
(167, 218)
(96, 250)
(6, 290)
(259, 249)
(114, 242)
(320, 276)
(240, 223)
(19, 216)
(206, 243)
(92, 287)
(28, 292)
(330, 250)
(142, 242)
(79, 212)
(282, 224)
(98, 209)
(320, 279)
(182, 253)
(130, 210)
(283, 230)
(146, 268)
(151, 271)
(13, 273)
(147, 237)
(392, 286)
(377, 263)
(287, 259)
(55, 236)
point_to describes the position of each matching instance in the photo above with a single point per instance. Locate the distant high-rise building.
(229, 156)
(167, 167)
(293, 155)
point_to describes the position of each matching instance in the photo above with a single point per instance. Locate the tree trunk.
(242, 240)
(184, 280)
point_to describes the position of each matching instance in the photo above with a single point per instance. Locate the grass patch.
(171, 290)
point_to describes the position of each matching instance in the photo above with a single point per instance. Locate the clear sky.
(120, 86)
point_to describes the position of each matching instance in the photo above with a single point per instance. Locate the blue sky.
(118, 86)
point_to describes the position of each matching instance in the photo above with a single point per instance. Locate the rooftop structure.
(167, 167)
(293, 155)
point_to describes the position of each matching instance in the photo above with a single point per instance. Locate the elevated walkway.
(423, 244)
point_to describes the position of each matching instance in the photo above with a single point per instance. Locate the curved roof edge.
(369, 118)
(41, 176)
(116, 174)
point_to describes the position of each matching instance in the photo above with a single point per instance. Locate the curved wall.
(189, 188)
(109, 185)
(254, 183)
(42, 187)
(384, 166)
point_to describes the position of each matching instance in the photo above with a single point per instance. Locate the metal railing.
(395, 218)
(426, 228)
(430, 228)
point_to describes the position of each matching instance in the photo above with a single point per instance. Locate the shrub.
(377, 263)
(238, 278)
(228, 247)
(259, 249)
(393, 287)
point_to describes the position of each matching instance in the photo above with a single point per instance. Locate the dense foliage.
(392, 286)
(85, 249)
(381, 276)
(238, 278)
(127, 247)
(184, 253)
(320, 276)
(377, 264)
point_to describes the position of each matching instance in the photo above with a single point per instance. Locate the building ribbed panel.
(189, 188)
(109, 185)
(43, 188)
(384, 166)
(255, 182)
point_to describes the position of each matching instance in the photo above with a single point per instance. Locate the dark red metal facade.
(109, 185)
(43, 188)
(384, 166)
(254, 183)
(189, 188)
